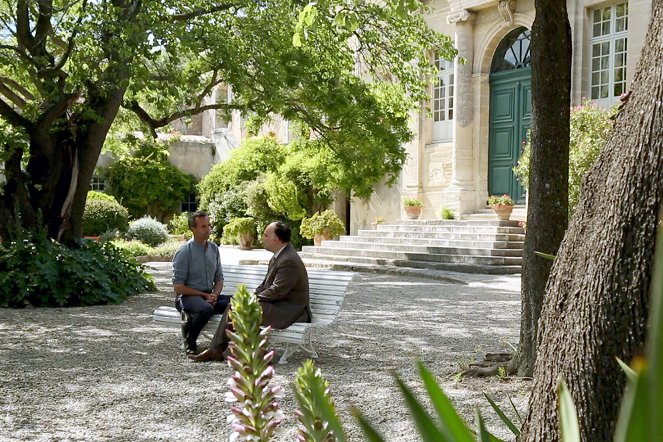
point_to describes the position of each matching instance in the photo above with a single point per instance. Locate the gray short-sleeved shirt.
(197, 267)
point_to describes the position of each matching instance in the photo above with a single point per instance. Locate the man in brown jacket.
(283, 294)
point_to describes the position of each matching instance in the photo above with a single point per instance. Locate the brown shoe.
(208, 355)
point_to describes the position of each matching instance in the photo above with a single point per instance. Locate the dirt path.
(110, 373)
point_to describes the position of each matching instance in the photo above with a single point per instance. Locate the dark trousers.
(198, 312)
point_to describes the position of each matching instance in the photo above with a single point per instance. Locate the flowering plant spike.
(310, 385)
(256, 412)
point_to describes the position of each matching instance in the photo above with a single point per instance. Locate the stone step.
(442, 222)
(421, 249)
(434, 242)
(369, 264)
(446, 228)
(520, 237)
(351, 254)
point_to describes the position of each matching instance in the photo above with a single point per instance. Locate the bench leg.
(307, 348)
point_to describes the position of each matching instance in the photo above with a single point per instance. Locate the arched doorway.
(510, 112)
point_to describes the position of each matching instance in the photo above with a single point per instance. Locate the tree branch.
(57, 109)
(14, 117)
(11, 95)
(154, 124)
(201, 12)
(19, 89)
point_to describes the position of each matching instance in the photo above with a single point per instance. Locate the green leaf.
(502, 416)
(370, 433)
(545, 255)
(570, 431)
(654, 344)
(635, 423)
(484, 434)
(428, 431)
(452, 423)
(327, 411)
(628, 371)
(515, 410)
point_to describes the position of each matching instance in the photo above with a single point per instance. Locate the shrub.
(500, 200)
(590, 127)
(166, 250)
(94, 195)
(412, 202)
(224, 207)
(179, 225)
(134, 248)
(148, 230)
(326, 223)
(145, 181)
(447, 213)
(101, 216)
(38, 272)
(238, 226)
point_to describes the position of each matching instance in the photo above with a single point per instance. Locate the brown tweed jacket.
(283, 294)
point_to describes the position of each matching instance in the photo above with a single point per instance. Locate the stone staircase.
(475, 245)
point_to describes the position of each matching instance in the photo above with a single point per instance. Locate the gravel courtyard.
(109, 373)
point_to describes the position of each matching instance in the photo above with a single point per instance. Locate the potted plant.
(324, 225)
(376, 222)
(412, 207)
(501, 205)
(244, 229)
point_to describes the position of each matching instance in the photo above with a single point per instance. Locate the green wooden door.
(510, 115)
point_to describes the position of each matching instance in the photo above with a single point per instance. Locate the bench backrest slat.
(326, 287)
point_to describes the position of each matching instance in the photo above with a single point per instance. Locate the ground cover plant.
(39, 272)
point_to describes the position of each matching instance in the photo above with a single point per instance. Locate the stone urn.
(246, 241)
(317, 239)
(412, 212)
(503, 211)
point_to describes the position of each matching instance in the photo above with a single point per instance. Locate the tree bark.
(547, 209)
(598, 294)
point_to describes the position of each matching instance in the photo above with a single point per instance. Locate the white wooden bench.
(327, 290)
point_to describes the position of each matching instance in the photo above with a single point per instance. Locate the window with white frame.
(608, 47)
(190, 205)
(97, 183)
(443, 100)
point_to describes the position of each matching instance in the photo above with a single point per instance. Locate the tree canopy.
(353, 75)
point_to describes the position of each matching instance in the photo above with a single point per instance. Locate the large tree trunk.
(547, 209)
(598, 294)
(51, 192)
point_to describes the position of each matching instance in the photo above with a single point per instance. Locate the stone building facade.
(466, 146)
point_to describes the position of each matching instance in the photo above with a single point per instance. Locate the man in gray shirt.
(198, 280)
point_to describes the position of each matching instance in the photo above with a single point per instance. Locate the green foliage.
(412, 202)
(325, 223)
(224, 207)
(315, 405)
(134, 248)
(179, 225)
(94, 195)
(102, 215)
(148, 231)
(447, 213)
(239, 226)
(253, 157)
(257, 414)
(283, 197)
(500, 200)
(145, 181)
(590, 127)
(38, 272)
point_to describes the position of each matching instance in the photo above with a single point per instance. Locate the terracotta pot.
(317, 240)
(246, 241)
(502, 211)
(413, 212)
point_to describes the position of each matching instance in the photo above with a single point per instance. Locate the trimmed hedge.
(148, 231)
(101, 215)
